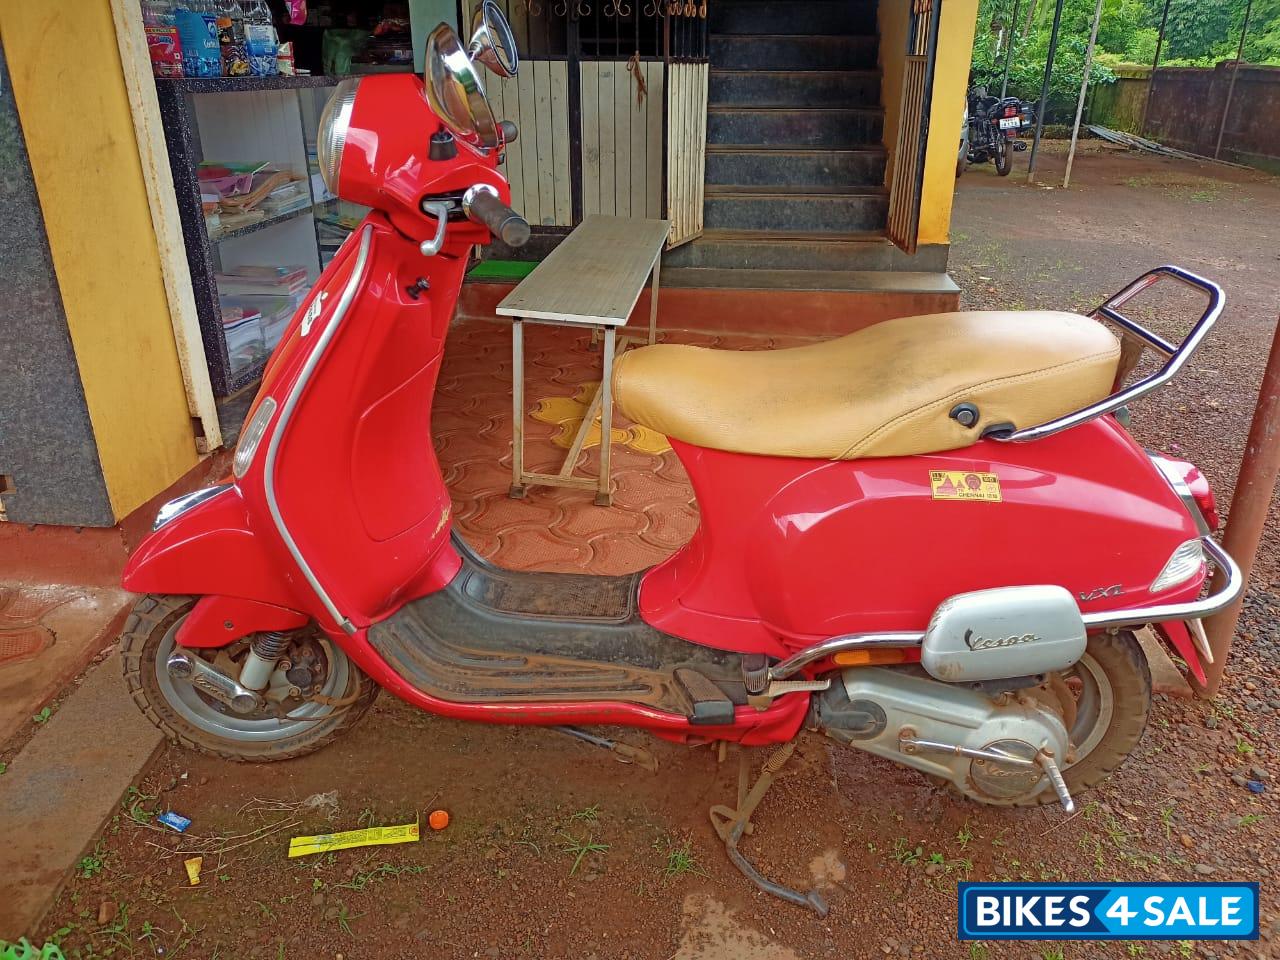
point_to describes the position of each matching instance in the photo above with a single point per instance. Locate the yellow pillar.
(70, 90)
(950, 85)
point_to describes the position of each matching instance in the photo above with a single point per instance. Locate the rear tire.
(1113, 671)
(1003, 158)
(193, 720)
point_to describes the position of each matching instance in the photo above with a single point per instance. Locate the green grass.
(681, 860)
(1250, 819)
(43, 716)
(591, 814)
(344, 919)
(578, 849)
(366, 878)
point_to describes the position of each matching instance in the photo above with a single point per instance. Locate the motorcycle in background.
(991, 129)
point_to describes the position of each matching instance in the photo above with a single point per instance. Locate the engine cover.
(873, 708)
(1003, 632)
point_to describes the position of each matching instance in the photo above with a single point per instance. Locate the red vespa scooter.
(930, 540)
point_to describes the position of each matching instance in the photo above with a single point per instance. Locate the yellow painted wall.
(950, 81)
(69, 86)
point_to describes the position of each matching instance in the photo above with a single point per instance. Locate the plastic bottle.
(198, 28)
(235, 61)
(260, 38)
(163, 41)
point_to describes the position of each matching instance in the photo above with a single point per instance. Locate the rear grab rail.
(1217, 600)
(1177, 356)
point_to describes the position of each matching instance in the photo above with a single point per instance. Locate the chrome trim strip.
(1129, 617)
(286, 412)
(1177, 356)
(180, 505)
(1179, 485)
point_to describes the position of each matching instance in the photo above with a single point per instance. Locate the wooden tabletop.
(594, 276)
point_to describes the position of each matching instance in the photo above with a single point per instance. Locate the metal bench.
(592, 279)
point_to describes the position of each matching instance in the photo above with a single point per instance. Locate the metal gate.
(913, 127)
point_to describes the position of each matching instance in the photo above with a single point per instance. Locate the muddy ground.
(555, 850)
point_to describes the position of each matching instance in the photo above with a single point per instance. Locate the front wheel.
(293, 722)
(1003, 158)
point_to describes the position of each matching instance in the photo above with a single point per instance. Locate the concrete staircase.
(795, 162)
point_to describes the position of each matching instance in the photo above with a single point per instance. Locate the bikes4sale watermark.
(1108, 911)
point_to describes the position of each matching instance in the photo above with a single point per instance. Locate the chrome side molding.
(1126, 617)
(353, 285)
(180, 505)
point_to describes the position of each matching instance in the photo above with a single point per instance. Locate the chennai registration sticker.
(962, 485)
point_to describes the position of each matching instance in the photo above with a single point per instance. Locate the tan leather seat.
(887, 390)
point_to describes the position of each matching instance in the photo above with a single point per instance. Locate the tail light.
(1010, 111)
(1191, 485)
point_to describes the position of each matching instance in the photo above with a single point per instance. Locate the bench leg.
(604, 496)
(517, 410)
(653, 301)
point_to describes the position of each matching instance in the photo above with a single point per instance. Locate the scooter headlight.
(331, 136)
(1184, 563)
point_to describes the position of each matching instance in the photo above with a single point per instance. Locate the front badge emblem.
(313, 311)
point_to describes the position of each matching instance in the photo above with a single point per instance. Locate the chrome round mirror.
(454, 89)
(492, 42)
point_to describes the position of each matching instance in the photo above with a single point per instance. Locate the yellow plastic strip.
(370, 837)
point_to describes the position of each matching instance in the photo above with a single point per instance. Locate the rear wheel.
(1104, 700)
(1003, 157)
(289, 726)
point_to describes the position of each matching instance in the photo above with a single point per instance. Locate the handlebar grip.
(503, 222)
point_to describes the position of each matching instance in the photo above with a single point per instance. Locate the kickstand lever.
(624, 752)
(732, 824)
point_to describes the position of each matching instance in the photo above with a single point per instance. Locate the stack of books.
(266, 280)
(271, 292)
(242, 327)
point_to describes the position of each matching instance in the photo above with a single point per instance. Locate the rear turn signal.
(877, 658)
(1184, 563)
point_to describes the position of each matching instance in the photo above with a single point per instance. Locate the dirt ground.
(555, 850)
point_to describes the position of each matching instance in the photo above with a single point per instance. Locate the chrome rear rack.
(1176, 356)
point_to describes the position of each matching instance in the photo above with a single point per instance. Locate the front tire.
(188, 717)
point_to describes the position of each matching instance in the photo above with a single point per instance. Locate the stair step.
(783, 52)
(798, 16)
(739, 208)
(810, 88)
(796, 168)
(750, 250)
(846, 281)
(795, 127)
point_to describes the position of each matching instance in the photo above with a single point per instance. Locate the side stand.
(731, 824)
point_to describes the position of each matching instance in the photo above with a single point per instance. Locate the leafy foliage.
(1196, 34)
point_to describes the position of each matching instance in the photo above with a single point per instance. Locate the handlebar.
(482, 206)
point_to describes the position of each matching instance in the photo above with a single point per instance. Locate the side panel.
(791, 551)
(356, 478)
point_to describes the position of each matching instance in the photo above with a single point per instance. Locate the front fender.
(209, 550)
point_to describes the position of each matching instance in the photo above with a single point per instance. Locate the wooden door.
(907, 184)
(686, 149)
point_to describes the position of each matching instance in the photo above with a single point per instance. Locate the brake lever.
(439, 210)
